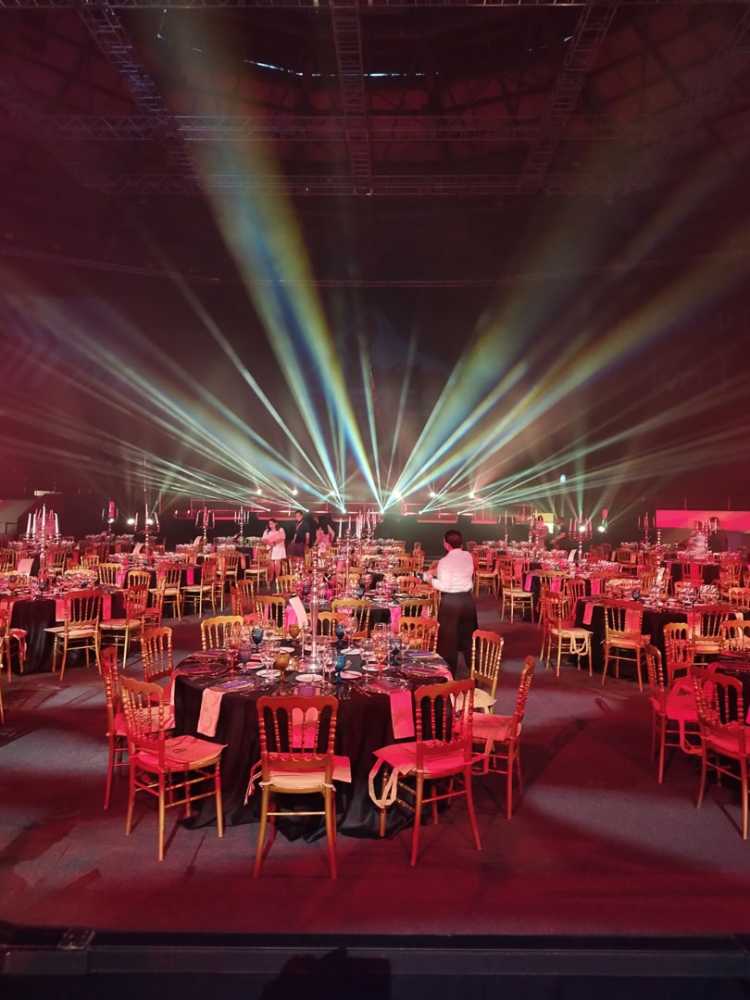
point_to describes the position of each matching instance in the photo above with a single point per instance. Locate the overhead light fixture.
(258, 490)
(295, 491)
(472, 495)
(563, 478)
(601, 528)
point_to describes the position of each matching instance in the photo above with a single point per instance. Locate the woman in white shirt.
(458, 614)
(275, 536)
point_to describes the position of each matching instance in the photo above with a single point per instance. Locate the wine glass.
(257, 636)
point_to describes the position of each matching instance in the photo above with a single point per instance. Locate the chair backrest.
(406, 583)
(168, 575)
(285, 584)
(419, 633)
(357, 609)
(707, 624)
(271, 608)
(108, 573)
(217, 631)
(720, 705)
(228, 562)
(654, 669)
(680, 650)
(623, 617)
(574, 587)
(415, 607)
(146, 716)
(90, 560)
(243, 597)
(111, 678)
(156, 651)
(56, 559)
(297, 734)
(83, 608)
(734, 635)
(443, 721)
(7, 560)
(486, 658)
(327, 622)
(208, 572)
(138, 578)
(522, 697)
(739, 597)
(136, 601)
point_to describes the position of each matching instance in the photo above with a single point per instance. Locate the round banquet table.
(37, 614)
(653, 625)
(363, 726)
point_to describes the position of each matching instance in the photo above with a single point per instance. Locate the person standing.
(303, 535)
(325, 535)
(458, 614)
(275, 537)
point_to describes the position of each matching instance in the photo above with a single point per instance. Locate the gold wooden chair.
(679, 649)
(271, 608)
(285, 584)
(419, 633)
(121, 631)
(574, 588)
(327, 622)
(171, 769)
(107, 573)
(243, 598)
(156, 652)
(169, 588)
(487, 576)
(7, 560)
(725, 736)
(563, 633)
(357, 609)
(297, 739)
(707, 631)
(138, 578)
(90, 560)
(512, 593)
(441, 753)
(56, 560)
(415, 607)
(623, 641)
(216, 632)
(10, 636)
(227, 572)
(257, 571)
(734, 634)
(501, 738)
(205, 590)
(486, 660)
(673, 713)
(739, 598)
(117, 736)
(80, 629)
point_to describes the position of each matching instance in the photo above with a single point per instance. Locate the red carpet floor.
(596, 846)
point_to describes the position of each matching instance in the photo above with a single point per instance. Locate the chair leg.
(131, 798)
(509, 784)
(559, 656)
(638, 669)
(743, 778)
(64, 660)
(219, 801)
(261, 831)
(162, 817)
(110, 772)
(381, 823)
(470, 807)
(704, 773)
(330, 829)
(606, 664)
(417, 819)
(662, 747)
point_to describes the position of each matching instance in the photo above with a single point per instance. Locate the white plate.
(286, 649)
(350, 675)
(374, 668)
(274, 674)
(309, 678)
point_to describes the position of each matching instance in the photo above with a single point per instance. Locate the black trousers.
(458, 620)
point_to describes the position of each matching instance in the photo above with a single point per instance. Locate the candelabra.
(315, 594)
(583, 531)
(205, 519)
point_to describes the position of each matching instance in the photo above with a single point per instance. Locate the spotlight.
(295, 491)
(582, 528)
(563, 478)
(397, 495)
(131, 521)
(433, 493)
(472, 495)
(602, 528)
(258, 490)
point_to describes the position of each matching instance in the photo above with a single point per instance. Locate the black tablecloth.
(363, 726)
(653, 625)
(709, 572)
(37, 615)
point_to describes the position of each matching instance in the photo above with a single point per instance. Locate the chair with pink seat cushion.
(501, 737)
(176, 770)
(673, 713)
(297, 737)
(724, 733)
(441, 753)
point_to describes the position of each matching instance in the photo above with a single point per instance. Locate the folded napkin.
(596, 585)
(588, 613)
(395, 618)
(402, 712)
(633, 620)
(556, 584)
(210, 708)
(296, 612)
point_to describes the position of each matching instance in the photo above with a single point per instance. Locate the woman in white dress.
(325, 535)
(275, 536)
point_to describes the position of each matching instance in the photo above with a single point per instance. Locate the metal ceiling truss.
(341, 185)
(318, 5)
(593, 26)
(347, 38)
(113, 41)
(309, 128)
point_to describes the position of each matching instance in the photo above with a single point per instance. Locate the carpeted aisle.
(596, 846)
